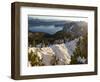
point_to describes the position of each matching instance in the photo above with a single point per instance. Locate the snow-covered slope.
(62, 52)
(71, 46)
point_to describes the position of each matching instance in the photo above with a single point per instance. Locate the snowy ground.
(62, 51)
(71, 46)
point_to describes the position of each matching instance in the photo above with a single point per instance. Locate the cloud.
(51, 29)
(37, 22)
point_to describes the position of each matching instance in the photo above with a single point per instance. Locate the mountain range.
(77, 28)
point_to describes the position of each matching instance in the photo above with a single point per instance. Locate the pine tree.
(80, 50)
(35, 59)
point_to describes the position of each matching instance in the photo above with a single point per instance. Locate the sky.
(50, 26)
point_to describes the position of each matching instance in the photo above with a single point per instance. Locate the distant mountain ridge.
(77, 28)
(72, 30)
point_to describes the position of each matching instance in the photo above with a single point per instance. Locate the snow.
(71, 46)
(63, 52)
(81, 59)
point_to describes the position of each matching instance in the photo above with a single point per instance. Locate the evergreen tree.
(80, 50)
(35, 59)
